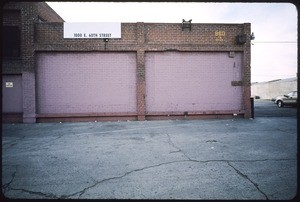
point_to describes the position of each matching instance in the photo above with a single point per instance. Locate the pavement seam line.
(247, 178)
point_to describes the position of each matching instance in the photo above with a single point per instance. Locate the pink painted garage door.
(192, 81)
(86, 82)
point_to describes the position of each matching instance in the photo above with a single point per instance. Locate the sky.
(273, 51)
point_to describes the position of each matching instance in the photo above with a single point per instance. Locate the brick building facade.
(154, 71)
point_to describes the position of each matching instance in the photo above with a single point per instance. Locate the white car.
(289, 99)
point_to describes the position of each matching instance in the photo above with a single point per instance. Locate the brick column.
(247, 71)
(140, 85)
(28, 70)
(28, 79)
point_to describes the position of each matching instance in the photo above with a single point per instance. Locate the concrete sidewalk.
(201, 159)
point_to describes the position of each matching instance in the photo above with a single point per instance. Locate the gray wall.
(270, 89)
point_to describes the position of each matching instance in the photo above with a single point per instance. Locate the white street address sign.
(92, 30)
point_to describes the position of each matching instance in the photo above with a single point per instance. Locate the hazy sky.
(274, 50)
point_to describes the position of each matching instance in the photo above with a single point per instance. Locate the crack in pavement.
(166, 163)
(117, 177)
(219, 160)
(171, 143)
(48, 143)
(6, 186)
(228, 162)
(50, 195)
(37, 193)
(288, 131)
(51, 142)
(13, 142)
(178, 149)
(247, 178)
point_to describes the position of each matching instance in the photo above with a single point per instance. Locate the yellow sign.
(219, 35)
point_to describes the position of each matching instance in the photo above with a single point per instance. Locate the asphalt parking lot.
(226, 159)
(267, 108)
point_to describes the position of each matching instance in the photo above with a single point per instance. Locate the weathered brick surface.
(46, 13)
(210, 34)
(192, 82)
(247, 72)
(140, 38)
(86, 82)
(11, 18)
(13, 102)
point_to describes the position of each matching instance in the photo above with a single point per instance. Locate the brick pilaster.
(247, 71)
(140, 85)
(28, 72)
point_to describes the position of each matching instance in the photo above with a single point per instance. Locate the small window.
(11, 41)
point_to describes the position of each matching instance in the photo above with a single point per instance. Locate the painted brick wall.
(139, 38)
(192, 81)
(12, 100)
(25, 14)
(86, 82)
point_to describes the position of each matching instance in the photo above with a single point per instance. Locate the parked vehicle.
(284, 100)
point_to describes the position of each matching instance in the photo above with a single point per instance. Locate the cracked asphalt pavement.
(196, 159)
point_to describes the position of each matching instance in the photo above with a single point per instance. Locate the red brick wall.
(23, 15)
(205, 34)
(11, 17)
(47, 13)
